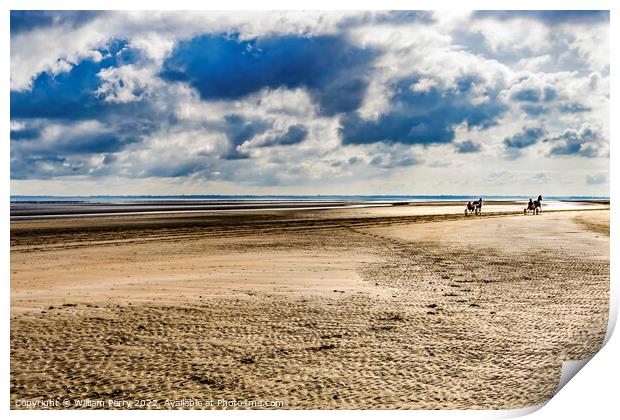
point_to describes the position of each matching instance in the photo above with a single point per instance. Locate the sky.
(363, 103)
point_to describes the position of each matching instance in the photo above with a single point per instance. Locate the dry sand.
(350, 308)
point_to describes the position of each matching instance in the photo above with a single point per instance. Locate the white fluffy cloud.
(127, 84)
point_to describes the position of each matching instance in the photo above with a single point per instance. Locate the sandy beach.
(412, 306)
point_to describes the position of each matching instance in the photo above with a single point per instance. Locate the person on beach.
(530, 205)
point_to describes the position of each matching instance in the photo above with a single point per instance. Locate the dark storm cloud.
(467, 146)
(222, 67)
(550, 17)
(27, 20)
(294, 134)
(525, 138)
(423, 117)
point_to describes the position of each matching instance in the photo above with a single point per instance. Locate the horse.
(533, 206)
(469, 208)
(475, 207)
(539, 203)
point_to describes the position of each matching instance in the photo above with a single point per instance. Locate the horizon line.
(299, 195)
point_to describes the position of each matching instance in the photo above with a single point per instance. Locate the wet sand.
(388, 307)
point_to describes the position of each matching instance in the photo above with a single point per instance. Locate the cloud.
(228, 101)
(515, 145)
(597, 179)
(177, 168)
(23, 167)
(225, 67)
(28, 20)
(585, 141)
(527, 137)
(126, 84)
(534, 95)
(48, 147)
(50, 167)
(568, 39)
(391, 161)
(75, 119)
(83, 138)
(551, 17)
(467, 146)
(399, 17)
(574, 108)
(535, 88)
(295, 134)
(71, 94)
(535, 110)
(546, 93)
(25, 133)
(425, 116)
(239, 130)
